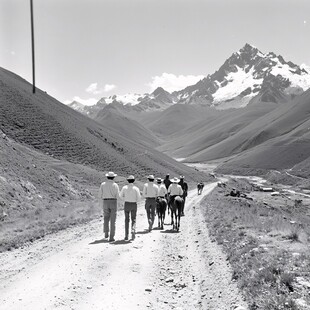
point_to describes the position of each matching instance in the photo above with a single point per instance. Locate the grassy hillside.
(178, 118)
(210, 137)
(285, 144)
(117, 122)
(40, 194)
(49, 126)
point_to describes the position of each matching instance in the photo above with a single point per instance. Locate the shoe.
(111, 240)
(126, 238)
(106, 235)
(133, 236)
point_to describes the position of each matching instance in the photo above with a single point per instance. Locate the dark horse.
(161, 205)
(176, 210)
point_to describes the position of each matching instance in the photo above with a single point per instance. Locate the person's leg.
(106, 218)
(126, 210)
(113, 207)
(148, 212)
(152, 213)
(133, 221)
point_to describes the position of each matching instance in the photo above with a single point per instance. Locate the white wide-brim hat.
(150, 177)
(131, 177)
(111, 174)
(159, 180)
(175, 180)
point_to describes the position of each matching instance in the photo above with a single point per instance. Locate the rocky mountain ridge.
(247, 76)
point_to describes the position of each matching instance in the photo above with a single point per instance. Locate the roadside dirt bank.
(77, 269)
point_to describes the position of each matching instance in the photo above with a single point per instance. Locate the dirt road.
(77, 269)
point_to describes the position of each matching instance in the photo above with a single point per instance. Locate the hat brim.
(175, 180)
(110, 175)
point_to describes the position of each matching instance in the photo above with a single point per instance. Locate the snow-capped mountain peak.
(245, 75)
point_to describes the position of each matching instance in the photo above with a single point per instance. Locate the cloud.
(13, 53)
(93, 88)
(109, 87)
(171, 82)
(89, 101)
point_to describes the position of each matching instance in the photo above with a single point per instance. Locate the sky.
(89, 49)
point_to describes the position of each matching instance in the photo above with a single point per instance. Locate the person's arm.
(144, 191)
(169, 189)
(122, 193)
(117, 192)
(100, 198)
(138, 196)
(180, 191)
(156, 190)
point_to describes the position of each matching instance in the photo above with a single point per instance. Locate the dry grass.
(266, 244)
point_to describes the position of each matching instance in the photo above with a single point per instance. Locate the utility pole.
(32, 45)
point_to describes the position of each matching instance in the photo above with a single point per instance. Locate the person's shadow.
(119, 242)
(100, 241)
(142, 232)
(170, 231)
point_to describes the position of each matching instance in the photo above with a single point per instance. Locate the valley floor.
(164, 269)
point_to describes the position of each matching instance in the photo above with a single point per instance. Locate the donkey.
(161, 205)
(176, 210)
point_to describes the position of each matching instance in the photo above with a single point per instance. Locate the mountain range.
(247, 76)
(254, 108)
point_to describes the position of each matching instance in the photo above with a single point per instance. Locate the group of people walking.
(110, 194)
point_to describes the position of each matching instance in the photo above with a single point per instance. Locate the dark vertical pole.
(32, 45)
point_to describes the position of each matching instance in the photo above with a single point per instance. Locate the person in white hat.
(131, 195)
(108, 195)
(150, 192)
(162, 191)
(174, 189)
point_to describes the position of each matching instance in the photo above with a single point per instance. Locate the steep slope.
(111, 117)
(42, 122)
(279, 141)
(209, 138)
(178, 118)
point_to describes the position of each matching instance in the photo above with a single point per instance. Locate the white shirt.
(162, 190)
(175, 190)
(108, 189)
(130, 193)
(150, 190)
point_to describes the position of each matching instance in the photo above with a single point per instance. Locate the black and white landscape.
(232, 112)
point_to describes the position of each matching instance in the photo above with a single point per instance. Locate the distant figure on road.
(131, 195)
(108, 195)
(185, 189)
(200, 187)
(150, 192)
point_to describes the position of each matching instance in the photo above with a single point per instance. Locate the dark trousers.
(150, 206)
(130, 209)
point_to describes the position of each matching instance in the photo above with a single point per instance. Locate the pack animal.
(161, 206)
(200, 188)
(176, 210)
